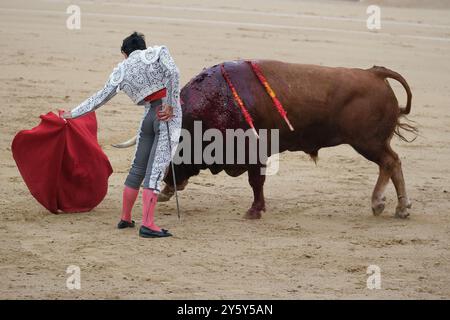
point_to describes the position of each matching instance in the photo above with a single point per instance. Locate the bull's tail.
(406, 126)
(387, 73)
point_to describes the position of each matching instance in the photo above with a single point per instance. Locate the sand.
(318, 236)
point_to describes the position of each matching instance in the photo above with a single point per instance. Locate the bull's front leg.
(256, 181)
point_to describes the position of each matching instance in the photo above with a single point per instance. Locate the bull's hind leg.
(378, 198)
(389, 168)
(399, 182)
(256, 181)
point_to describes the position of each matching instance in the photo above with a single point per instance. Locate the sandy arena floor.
(317, 238)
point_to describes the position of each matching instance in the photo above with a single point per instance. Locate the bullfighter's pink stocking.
(149, 199)
(128, 199)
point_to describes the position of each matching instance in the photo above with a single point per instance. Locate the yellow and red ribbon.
(257, 70)
(247, 116)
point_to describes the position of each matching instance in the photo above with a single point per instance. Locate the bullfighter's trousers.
(152, 155)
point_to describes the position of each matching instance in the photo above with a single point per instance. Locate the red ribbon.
(247, 116)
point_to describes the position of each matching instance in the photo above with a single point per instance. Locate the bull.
(326, 106)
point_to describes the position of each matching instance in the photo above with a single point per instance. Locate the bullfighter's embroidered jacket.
(143, 73)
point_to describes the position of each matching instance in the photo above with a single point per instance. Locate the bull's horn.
(126, 144)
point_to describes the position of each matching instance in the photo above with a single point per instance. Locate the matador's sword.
(173, 171)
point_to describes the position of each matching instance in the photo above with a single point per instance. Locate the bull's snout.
(168, 191)
(166, 194)
(163, 197)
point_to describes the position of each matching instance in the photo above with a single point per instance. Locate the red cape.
(62, 163)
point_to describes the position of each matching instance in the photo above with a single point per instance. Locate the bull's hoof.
(163, 197)
(378, 209)
(402, 213)
(254, 212)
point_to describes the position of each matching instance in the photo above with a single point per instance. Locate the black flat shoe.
(125, 224)
(149, 233)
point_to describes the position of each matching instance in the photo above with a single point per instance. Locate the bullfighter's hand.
(66, 115)
(166, 113)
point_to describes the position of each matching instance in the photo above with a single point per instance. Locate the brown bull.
(326, 106)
